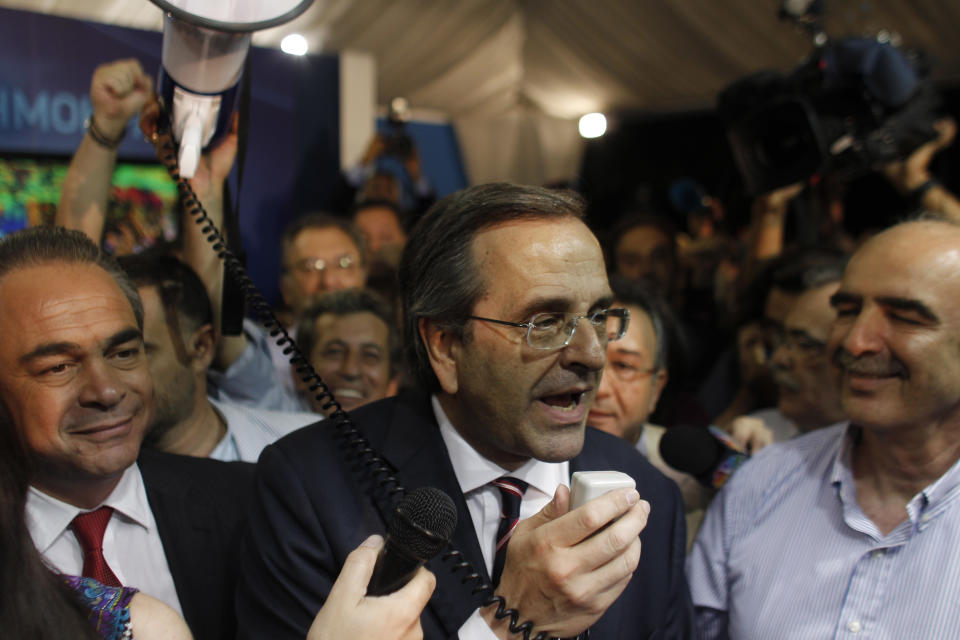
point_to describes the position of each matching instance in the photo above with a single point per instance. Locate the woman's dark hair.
(35, 603)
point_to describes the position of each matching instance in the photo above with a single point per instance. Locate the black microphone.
(422, 525)
(710, 455)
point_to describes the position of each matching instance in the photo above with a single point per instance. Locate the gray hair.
(636, 294)
(42, 245)
(438, 275)
(319, 220)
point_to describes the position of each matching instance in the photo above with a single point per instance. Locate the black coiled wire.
(344, 429)
(488, 596)
(377, 469)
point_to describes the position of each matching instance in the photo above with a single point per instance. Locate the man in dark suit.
(506, 322)
(199, 505)
(74, 383)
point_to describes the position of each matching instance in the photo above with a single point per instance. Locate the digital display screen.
(141, 209)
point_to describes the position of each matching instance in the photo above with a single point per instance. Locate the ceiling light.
(593, 125)
(294, 44)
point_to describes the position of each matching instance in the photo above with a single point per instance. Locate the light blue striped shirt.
(786, 552)
(250, 430)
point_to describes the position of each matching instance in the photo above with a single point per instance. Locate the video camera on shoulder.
(855, 104)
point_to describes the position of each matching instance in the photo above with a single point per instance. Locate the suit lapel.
(187, 531)
(589, 458)
(414, 447)
(412, 444)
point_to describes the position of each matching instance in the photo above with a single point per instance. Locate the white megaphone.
(205, 44)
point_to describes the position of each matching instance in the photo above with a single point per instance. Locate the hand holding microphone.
(421, 527)
(383, 585)
(348, 613)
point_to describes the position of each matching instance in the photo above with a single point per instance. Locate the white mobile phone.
(587, 485)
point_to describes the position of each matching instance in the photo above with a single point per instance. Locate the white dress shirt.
(474, 473)
(131, 542)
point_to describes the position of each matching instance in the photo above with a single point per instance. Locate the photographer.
(911, 177)
(389, 170)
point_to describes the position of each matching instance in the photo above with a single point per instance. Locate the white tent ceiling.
(514, 75)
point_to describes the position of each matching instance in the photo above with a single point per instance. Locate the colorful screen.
(141, 209)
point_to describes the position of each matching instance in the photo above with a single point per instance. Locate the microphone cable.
(378, 471)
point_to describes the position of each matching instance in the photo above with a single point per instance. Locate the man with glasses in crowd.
(784, 281)
(506, 319)
(633, 380)
(320, 254)
(807, 382)
(808, 388)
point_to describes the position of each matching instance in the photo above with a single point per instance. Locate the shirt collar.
(473, 471)
(228, 449)
(927, 503)
(841, 473)
(48, 518)
(937, 496)
(642, 441)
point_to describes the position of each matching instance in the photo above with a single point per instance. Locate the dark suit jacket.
(200, 509)
(310, 510)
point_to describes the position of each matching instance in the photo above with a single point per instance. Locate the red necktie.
(511, 493)
(89, 528)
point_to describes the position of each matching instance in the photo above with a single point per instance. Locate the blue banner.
(45, 67)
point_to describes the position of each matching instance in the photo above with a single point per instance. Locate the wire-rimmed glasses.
(555, 329)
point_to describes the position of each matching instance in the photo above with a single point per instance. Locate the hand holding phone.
(559, 570)
(587, 485)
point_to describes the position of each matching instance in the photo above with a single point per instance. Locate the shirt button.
(877, 553)
(925, 517)
(854, 627)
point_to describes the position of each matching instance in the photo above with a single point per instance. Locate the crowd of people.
(165, 478)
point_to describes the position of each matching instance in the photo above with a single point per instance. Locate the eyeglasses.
(797, 340)
(555, 330)
(627, 369)
(319, 265)
(803, 345)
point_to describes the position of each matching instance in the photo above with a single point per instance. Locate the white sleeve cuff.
(476, 628)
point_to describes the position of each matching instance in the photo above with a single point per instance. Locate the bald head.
(896, 338)
(916, 244)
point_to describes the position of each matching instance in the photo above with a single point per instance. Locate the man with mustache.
(808, 394)
(506, 321)
(850, 529)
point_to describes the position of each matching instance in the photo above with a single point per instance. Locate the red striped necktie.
(89, 528)
(511, 493)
